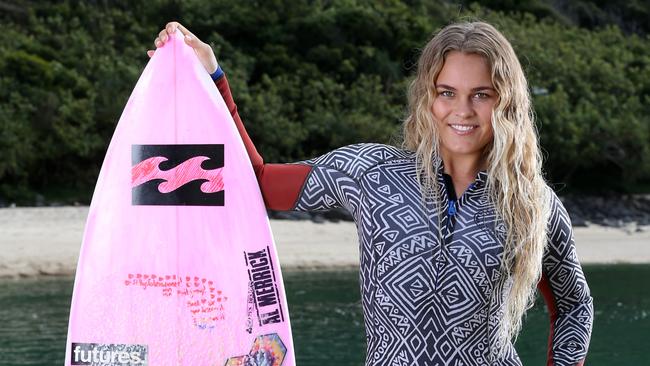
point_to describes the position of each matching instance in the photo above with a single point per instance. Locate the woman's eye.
(482, 95)
(447, 93)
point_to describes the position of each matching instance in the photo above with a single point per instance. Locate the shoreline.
(45, 241)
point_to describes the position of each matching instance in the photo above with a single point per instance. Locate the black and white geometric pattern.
(432, 301)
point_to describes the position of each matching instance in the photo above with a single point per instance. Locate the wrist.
(217, 73)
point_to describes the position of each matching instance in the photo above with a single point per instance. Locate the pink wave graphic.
(181, 174)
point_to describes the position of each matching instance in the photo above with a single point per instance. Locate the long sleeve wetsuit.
(428, 299)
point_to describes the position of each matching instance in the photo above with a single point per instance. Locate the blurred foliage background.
(310, 76)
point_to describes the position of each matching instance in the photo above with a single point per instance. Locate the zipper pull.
(452, 208)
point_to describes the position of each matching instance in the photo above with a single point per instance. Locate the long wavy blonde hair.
(515, 184)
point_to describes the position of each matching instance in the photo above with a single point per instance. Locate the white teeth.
(462, 127)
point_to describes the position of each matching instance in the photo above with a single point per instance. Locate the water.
(34, 321)
(327, 321)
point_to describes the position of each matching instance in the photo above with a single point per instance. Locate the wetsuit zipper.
(451, 207)
(451, 216)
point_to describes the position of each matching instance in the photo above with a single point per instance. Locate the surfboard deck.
(178, 265)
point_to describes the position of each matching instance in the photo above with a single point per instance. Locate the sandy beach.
(46, 241)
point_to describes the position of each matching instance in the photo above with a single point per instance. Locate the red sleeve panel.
(280, 184)
(566, 292)
(545, 288)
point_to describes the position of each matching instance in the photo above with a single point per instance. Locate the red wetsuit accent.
(280, 183)
(544, 287)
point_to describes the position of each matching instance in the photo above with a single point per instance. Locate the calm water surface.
(327, 321)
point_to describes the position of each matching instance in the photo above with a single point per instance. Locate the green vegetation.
(310, 76)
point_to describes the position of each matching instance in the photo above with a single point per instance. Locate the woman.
(458, 227)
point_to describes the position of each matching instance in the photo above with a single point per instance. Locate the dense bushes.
(308, 76)
(593, 108)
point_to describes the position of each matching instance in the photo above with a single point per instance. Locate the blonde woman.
(456, 228)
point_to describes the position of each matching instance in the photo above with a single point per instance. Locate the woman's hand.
(203, 50)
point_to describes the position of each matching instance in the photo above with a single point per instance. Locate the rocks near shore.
(611, 211)
(631, 212)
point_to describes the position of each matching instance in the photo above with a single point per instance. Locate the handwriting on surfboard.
(204, 301)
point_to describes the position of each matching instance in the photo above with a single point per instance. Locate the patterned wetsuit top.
(430, 295)
(437, 301)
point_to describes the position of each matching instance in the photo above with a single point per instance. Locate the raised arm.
(566, 293)
(280, 183)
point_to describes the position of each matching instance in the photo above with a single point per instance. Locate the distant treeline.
(310, 76)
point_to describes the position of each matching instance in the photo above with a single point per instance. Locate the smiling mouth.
(463, 129)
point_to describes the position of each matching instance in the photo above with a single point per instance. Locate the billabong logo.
(108, 354)
(177, 175)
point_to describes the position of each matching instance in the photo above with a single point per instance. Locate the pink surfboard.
(178, 264)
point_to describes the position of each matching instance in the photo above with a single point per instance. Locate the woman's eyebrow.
(445, 86)
(483, 88)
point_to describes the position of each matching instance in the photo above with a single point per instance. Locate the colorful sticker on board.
(177, 175)
(267, 350)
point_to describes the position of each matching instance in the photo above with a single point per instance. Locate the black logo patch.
(108, 354)
(177, 175)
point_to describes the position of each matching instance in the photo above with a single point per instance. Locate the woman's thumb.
(203, 51)
(191, 41)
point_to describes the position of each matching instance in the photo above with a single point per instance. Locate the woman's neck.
(463, 169)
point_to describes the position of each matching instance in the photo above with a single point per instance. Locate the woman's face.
(463, 107)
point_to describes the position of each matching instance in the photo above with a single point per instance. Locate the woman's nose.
(463, 108)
